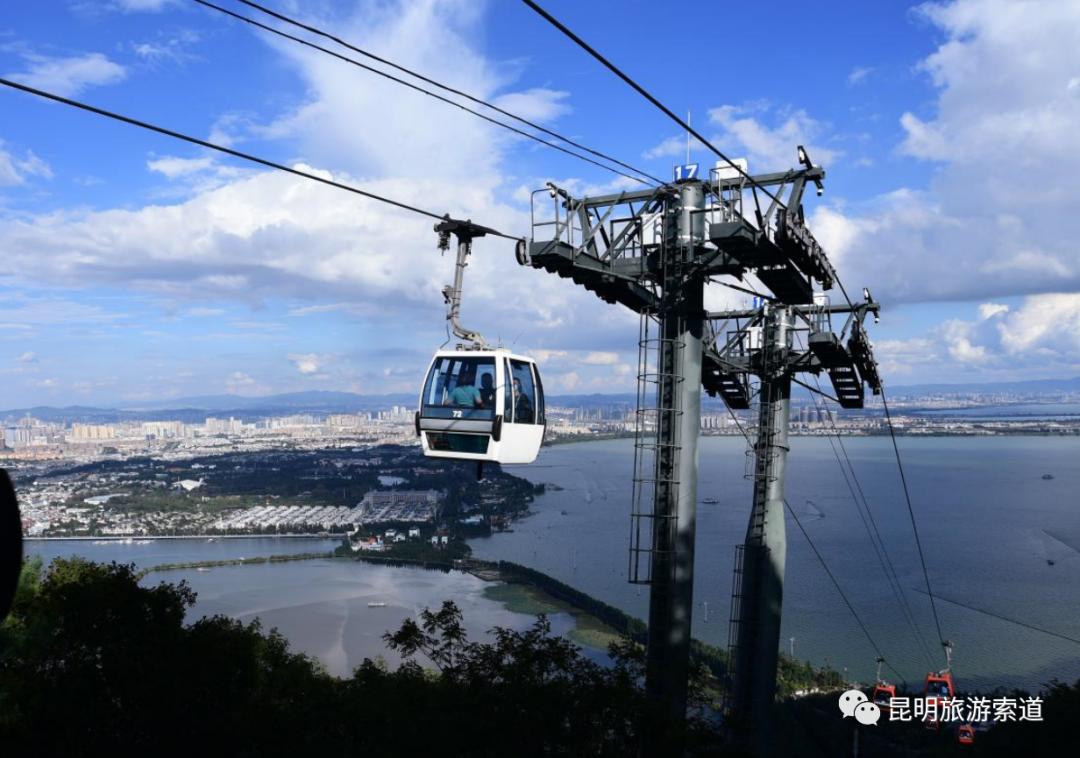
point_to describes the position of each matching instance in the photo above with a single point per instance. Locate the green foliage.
(100, 665)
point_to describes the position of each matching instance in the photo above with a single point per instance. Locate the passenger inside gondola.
(465, 393)
(523, 411)
(524, 392)
(487, 391)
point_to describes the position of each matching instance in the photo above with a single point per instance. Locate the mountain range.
(196, 408)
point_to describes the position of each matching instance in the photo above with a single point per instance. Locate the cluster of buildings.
(382, 506)
(380, 543)
(377, 507)
(31, 439)
(53, 509)
(290, 518)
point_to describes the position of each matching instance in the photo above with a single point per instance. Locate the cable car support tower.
(653, 250)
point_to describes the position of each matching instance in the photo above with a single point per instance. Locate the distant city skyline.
(139, 269)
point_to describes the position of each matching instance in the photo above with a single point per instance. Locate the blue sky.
(139, 268)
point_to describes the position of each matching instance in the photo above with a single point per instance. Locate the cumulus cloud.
(768, 136)
(346, 123)
(763, 134)
(1038, 338)
(264, 237)
(306, 364)
(272, 235)
(15, 170)
(989, 310)
(71, 75)
(998, 218)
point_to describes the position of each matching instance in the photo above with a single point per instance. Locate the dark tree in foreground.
(92, 662)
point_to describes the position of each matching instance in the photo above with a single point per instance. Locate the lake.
(988, 522)
(321, 606)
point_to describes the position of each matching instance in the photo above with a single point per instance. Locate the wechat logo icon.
(850, 700)
(854, 703)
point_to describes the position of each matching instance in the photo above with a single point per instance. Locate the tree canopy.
(91, 661)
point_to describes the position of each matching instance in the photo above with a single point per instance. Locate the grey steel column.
(675, 504)
(765, 549)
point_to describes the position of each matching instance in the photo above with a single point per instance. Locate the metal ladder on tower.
(656, 412)
(759, 469)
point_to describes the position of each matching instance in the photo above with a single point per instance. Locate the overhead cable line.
(813, 547)
(644, 93)
(663, 108)
(234, 153)
(447, 88)
(429, 93)
(843, 596)
(911, 513)
(998, 616)
(869, 522)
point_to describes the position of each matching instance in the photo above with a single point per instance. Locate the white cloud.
(270, 236)
(765, 135)
(27, 357)
(859, 74)
(568, 381)
(545, 356)
(538, 104)
(771, 148)
(998, 218)
(15, 170)
(190, 175)
(137, 6)
(672, 147)
(306, 364)
(267, 238)
(172, 167)
(989, 310)
(958, 340)
(1047, 324)
(601, 358)
(174, 48)
(346, 121)
(307, 310)
(901, 357)
(1038, 338)
(69, 76)
(239, 383)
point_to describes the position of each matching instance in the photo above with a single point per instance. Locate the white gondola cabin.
(482, 405)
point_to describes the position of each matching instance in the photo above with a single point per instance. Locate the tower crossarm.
(849, 364)
(622, 247)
